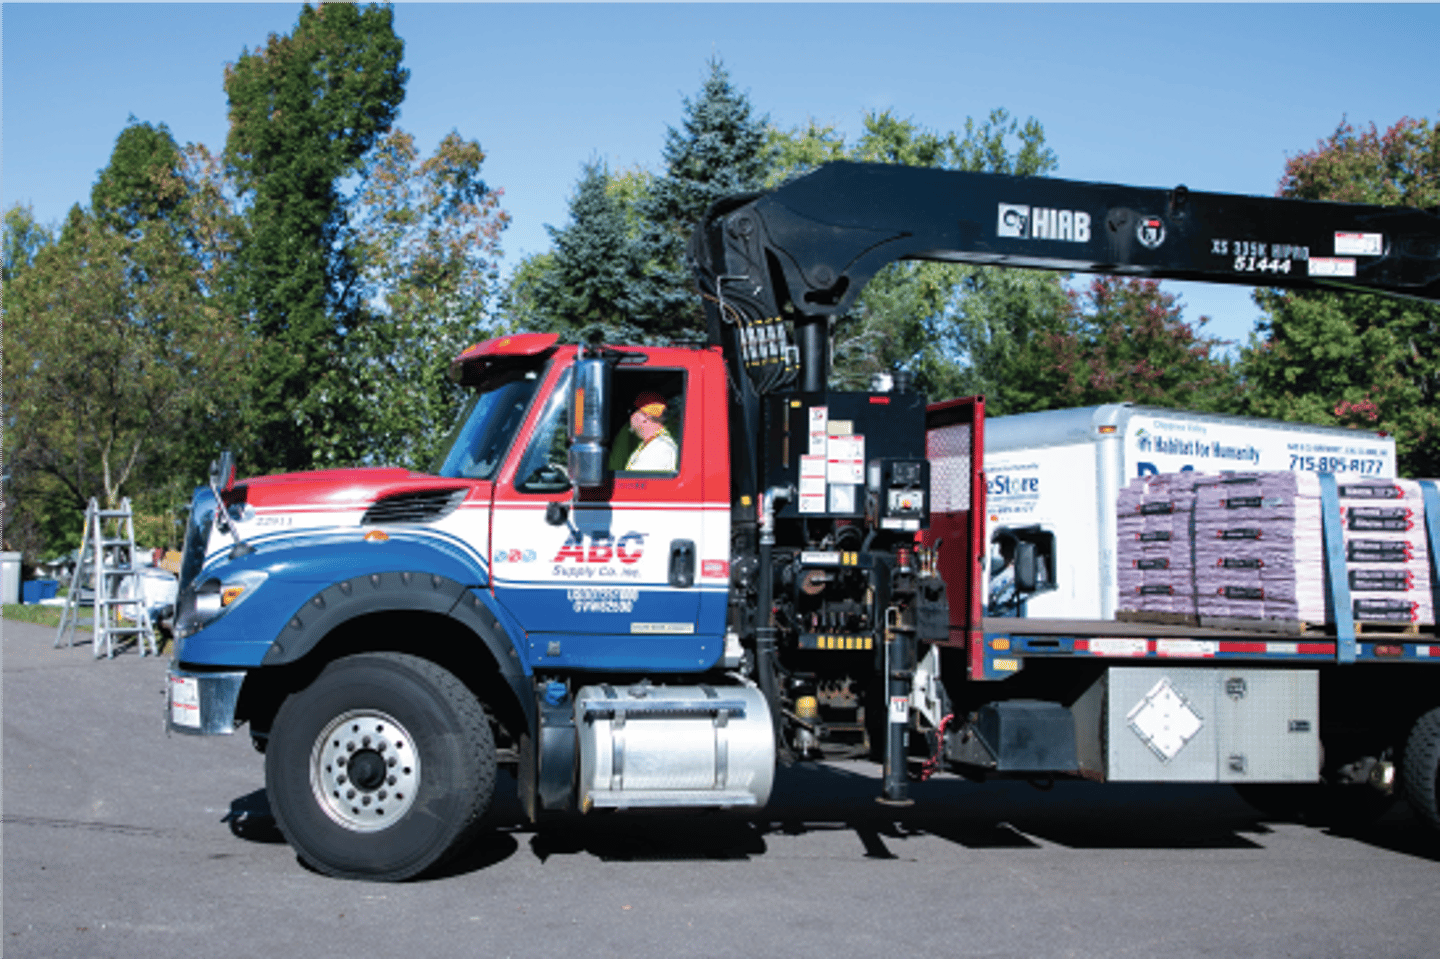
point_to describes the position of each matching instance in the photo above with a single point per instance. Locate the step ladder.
(106, 566)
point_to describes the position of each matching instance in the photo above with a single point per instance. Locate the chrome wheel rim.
(364, 770)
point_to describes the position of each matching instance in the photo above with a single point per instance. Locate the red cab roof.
(469, 368)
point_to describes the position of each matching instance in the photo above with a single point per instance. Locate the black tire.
(1420, 771)
(420, 759)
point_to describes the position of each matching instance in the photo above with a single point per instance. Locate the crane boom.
(807, 248)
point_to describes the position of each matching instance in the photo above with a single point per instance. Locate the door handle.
(682, 563)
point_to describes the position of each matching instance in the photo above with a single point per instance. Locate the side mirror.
(589, 419)
(1026, 570)
(222, 471)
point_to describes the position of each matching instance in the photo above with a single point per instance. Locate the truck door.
(623, 578)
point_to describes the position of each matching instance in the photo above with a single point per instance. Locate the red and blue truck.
(799, 573)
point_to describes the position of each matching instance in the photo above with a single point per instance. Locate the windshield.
(486, 425)
(197, 536)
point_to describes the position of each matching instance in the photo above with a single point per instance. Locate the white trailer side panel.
(1061, 470)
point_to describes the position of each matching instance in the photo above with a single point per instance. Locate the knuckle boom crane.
(645, 574)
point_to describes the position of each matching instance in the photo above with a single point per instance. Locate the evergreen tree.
(720, 150)
(304, 110)
(595, 270)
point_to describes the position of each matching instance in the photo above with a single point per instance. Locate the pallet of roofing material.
(1387, 558)
(1243, 548)
(1154, 560)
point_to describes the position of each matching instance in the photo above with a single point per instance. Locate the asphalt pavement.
(122, 842)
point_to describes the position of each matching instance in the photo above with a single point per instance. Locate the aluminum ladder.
(107, 565)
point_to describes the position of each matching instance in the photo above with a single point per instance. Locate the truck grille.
(421, 506)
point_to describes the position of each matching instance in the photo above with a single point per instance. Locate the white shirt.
(658, 454)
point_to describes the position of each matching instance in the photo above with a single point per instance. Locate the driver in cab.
(657, 452)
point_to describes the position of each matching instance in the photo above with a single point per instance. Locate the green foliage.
(998, 144)
(720, 150)
(242, 300)
(629, 188)
(425, 243)
(1127, 342)
(114, 360)
(140, 186)
(1350, 359)
(304, 111)
(1356, 359)
(24, 238)
(1016, 336)
(590, 279)
(124, 368)
(1400, 167)
(960, 329)
(996, 339)
(801, 149)
(618, 267)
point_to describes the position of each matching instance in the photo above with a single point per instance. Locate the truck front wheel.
(381, 768)
(1421, 768)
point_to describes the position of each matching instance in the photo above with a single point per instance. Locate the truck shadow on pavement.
(824, 799)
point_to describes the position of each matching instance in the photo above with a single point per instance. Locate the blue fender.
(311, 588)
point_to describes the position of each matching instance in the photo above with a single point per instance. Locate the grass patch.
(32, 613)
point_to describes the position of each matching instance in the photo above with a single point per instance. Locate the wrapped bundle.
(1387, 563)
(1252, 545)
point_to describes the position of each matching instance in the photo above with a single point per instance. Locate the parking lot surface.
(122, 842)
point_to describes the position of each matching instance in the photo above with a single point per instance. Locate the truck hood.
(345, 488)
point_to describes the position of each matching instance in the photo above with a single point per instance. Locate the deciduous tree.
(304, 111)
(426, 237)
(960, 329)
(114, 363)
(1356, 359)
(1127, 342)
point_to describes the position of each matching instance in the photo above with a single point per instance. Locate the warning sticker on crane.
(1359, 244)
(1332, 266)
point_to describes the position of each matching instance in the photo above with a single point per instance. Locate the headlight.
(213, 598)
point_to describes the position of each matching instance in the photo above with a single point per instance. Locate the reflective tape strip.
(1185, 648)
(1114, 646)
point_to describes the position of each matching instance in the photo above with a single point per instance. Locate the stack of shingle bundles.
(1259, 547)
(1386, 560)
(1154, 572)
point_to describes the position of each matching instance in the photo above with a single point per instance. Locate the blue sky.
(1215, 96)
